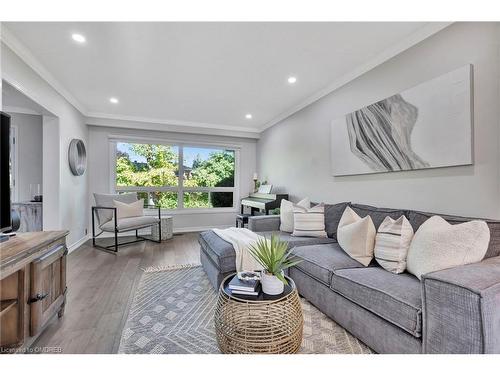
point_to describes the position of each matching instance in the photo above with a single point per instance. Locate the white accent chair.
(105, 212)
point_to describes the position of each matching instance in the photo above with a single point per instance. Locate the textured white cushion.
(392, 243)
(107, 200)
(286, 213)
(309, 222)
(438, 245)
(130, 223)
(356, 236)
(124, 210)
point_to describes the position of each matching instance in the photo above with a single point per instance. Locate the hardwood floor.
(100, 287)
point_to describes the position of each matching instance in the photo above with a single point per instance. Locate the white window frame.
(180, 189)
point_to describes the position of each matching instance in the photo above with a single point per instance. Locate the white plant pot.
(271, 284)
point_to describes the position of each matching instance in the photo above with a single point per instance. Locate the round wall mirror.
(77, 157)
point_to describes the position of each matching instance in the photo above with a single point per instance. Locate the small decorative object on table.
(167, 229)
(248, 275)
(255, 182)
(36, 193)
(245, 283)
(274, 257)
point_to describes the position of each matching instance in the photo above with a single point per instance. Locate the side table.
(266, 324)
(167, 229)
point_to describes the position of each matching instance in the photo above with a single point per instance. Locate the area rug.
(172, 313)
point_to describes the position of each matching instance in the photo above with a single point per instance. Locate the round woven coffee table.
(264, 324)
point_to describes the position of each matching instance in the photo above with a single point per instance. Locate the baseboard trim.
(176, 231)
(85, 238)
(78, 243)
(199, 229)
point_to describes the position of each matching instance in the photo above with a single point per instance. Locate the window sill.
(188, 211)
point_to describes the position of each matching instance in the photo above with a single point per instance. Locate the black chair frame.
(114, 248)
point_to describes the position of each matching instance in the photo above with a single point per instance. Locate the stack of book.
(244, 287)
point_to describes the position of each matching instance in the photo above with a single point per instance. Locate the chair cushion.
(417, 218)
(394, 297)
(319, 261)
(124, 210)
(107, 200)
(130, 223)
(378, 214)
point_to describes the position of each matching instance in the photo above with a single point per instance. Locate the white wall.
(99, 169)
(295, 153)
(29, 152)
(71, 209)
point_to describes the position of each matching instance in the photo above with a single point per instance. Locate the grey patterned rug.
(172, 313)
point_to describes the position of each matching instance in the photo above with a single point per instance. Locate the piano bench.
(241, 220)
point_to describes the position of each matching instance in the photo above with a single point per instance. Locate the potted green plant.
(274, 257)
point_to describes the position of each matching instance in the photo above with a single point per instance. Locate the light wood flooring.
(100, 287)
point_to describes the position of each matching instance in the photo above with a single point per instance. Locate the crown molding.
(413, 39)
(8, 38)
(172, 122)
(22, 110)
(116, 120)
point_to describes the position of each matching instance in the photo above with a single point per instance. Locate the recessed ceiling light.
(78, 38)
(248, 116)
(113, 100)
(292, 80)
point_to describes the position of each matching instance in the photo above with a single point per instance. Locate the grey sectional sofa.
(455, 310)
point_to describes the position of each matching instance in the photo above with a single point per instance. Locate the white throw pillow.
(438, 245)
(286, 213)
(392, 243)
(124, 210)
(356, 236)
(309, 222)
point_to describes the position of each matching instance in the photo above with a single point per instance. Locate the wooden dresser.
(32, 286)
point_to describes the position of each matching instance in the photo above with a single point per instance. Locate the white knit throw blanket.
(241, 239)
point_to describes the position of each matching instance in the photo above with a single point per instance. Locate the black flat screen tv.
(5, 218)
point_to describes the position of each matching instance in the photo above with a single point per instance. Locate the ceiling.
(204, 73)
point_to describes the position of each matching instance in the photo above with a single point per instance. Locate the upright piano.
(262, 202)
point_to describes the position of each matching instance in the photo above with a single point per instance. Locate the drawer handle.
(37, 298)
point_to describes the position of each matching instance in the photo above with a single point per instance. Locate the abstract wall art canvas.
(427, 126)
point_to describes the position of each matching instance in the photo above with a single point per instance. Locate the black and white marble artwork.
(427, 126)
(380, 135)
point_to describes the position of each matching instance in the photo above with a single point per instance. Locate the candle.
(255, 176)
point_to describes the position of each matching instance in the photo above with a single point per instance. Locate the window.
(204, 179)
